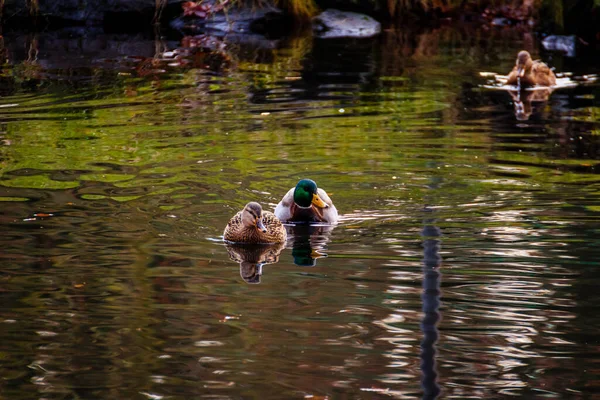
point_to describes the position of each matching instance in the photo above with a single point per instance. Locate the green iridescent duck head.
(306, 195)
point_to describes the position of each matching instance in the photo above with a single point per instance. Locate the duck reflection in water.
(252, 257)
(308, 242)
(528, 101)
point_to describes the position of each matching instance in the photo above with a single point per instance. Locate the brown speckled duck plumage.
(252, 225)
(530, 73)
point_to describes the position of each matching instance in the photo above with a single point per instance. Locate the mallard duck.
(252, 225)
(530, 73)
(306, 203)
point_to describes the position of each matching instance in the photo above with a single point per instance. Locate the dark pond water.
(465, 264)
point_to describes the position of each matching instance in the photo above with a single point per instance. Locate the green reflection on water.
(128, 289)
(4, 198)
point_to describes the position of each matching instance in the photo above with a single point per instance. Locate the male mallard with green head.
(306, 203)
(530, 73)
(252, 225)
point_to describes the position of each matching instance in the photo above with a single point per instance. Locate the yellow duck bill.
(316, 200)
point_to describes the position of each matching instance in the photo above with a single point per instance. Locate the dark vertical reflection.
(430, 303)
(308, 243)
(252, 258)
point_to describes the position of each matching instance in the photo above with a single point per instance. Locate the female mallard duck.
(252, 225)
(306, 203)
(530, 73)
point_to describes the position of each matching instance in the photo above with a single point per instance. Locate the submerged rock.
(244, 19)
(334, 23)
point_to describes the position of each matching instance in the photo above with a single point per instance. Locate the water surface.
(464, 265)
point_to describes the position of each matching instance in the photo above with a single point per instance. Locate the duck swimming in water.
(527, 72)
(306, 203)
(252, 225)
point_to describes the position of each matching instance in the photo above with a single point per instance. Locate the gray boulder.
(565, 44)
(240, 19)
(334, 23)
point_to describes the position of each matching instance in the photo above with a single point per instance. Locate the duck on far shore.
(527, 72)
(306, 203)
